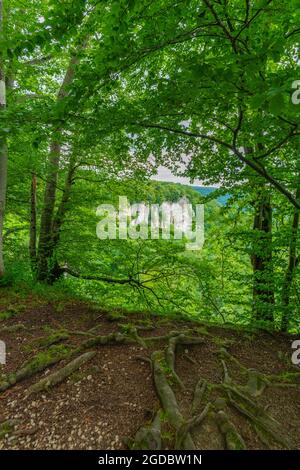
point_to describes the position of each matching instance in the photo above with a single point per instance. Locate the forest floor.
(216, 387)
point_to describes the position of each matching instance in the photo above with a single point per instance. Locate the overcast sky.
(164, 174)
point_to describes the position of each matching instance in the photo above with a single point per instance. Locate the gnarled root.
(256, 383)
(233, 440)
(199, 392)
(149, 437)
(113, 338)
(37, 364)
(60, 375)
(241, 398)
(189, 426)
(171, 351)
(168, 399)
(265, 423)
(55, 354)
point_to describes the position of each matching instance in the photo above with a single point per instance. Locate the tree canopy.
(96, 95)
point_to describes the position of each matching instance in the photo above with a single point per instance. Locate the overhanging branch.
(87, 277)
(254, 164)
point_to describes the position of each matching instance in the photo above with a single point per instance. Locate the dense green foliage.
(99, 95)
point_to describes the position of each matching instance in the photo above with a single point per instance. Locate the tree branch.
(255, 165)
(110, 280)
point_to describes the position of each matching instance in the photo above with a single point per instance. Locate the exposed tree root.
(186, 428)
(233, 440)
(133, 333)
(262, 436)
(174, 341)
(149, 437)
(151, 339)
(54, 354)
(265, 425)
(256, 383)
(168, 400)
(13, 328)
(144, 359)
(227, 378)
(69, 333)
(199, 392)
(60, 375)
(54, 338)
(174, 333)
(256, 410)
(113, 338)
(37, 364)
(212, 404)
(283, 385)
(161, 366)
(287, 378)
(170, 358)
(241, 399)
(226, 355)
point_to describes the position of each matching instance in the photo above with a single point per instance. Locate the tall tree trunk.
(292, 264)
(3, 150)
(3, 186)
(263, 289)
(63, 206)
(58, 221)
(33, 227)
(45, 240)
(45, 248)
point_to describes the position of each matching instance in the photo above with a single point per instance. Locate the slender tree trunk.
(292, 264)
(33, 227)
(45, 248)
(3, 150)
(58, 221)
(263, 289)
(45, 241)
(63, 206)
(3, 185)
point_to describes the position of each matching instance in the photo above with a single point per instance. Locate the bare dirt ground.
(107, 400)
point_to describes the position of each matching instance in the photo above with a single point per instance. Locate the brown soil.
(111, 397)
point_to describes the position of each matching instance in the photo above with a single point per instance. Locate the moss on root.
(38, 363)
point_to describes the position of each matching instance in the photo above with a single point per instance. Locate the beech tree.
(99, 90)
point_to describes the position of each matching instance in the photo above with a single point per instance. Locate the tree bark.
(45, 248)
(63, 206)
(292, 265)
(33, 228)
(61, 374)
(3, 187)
(263, 289)
(54, 272)
(3, 150)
